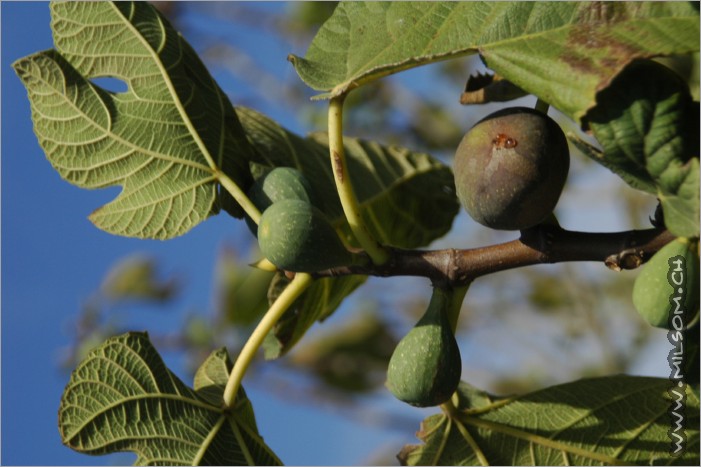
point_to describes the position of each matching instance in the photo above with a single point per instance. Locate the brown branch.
(538, 245)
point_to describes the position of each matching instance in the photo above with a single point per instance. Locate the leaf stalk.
(293, 290)
(235, 191)
(344, 186)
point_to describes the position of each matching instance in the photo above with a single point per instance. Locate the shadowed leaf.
(599, 421)
(163, 140)
(648, 127)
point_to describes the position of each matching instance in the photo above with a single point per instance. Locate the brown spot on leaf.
(592, 48)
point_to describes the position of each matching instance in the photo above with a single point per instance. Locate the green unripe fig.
(296, 236)
(425, 368)
(664, 288)
(276, 185)
(510, 168)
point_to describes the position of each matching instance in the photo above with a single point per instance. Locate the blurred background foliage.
(519, 330)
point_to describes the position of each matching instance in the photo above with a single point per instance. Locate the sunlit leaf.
(538, 46)
(600, 421)
(122, 397)
(163, 140)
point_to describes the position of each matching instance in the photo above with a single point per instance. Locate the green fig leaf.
(122, 397)
(210, 382)
(538, 46)
(647, 125)
(601, 421)
(165, 140)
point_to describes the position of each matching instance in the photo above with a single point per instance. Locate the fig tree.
(510, 168)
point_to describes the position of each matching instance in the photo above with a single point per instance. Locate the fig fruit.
(278, 184)
(425, 368)
(296, 236)
(666, 287)
(510, 168)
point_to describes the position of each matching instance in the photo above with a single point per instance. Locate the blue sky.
(53, 258)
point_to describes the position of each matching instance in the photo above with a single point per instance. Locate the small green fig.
(296, 236)
(425, 368)
(664, 288)
(278, 184)
(510, 168)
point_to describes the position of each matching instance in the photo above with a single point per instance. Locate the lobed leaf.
(538, 46)
(599, 421)
(122, 397)
(164, 140)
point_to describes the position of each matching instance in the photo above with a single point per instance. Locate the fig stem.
(476, 448)
(344, 185)
(293, 290)
(238, 194)
(454, 295)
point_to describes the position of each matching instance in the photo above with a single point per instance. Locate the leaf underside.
(539, 46)
(599, 421)
(122, 397)
(163, 140)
